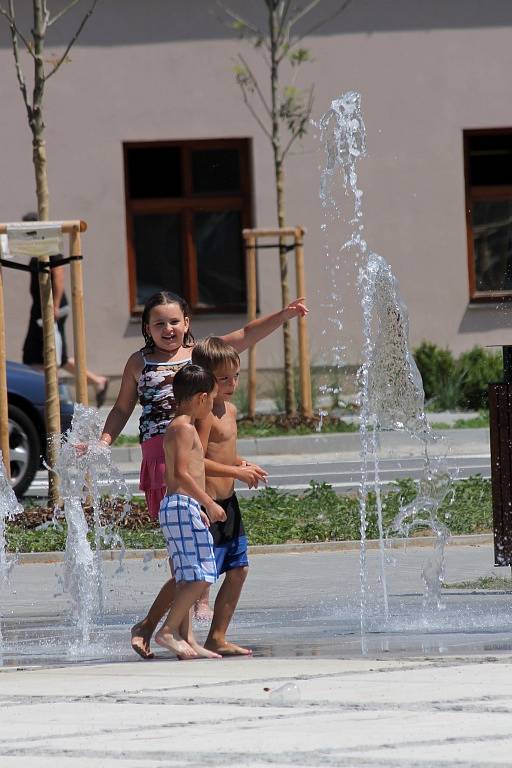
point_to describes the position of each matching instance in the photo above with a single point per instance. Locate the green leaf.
(299, 56)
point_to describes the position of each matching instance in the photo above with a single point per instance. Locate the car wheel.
(25, 449)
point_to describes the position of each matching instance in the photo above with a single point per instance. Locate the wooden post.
(77, 303)
(304, 363)
(52, 404)
(4, 405)
(251, 312)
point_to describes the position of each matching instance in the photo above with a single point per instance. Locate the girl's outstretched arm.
(125, 403)
(258, 329)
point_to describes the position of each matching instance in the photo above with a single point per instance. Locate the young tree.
(43, 21)
(281, 110)
(44, 68)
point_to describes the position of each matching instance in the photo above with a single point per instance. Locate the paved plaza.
(424, 687)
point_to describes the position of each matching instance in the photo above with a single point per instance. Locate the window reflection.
(492, 236)
(220, 264)
(157, 254)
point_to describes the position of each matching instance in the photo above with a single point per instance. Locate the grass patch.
(51, 539)
(274, 517)
(127, 440)
(484, 582)
(277, 425)
(477, 422)
(281, 425)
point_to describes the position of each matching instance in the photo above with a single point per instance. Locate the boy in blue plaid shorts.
(186, 510)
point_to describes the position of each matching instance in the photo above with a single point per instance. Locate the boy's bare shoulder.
(180, 425)
(231, 409)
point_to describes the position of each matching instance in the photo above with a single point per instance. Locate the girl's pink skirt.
(152, 473)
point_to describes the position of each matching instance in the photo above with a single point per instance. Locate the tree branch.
(255, 83)
(62, 12)
(284, 13)
(319, 24)
(254, 113)
(16, 53)
(239, 19)
(73, 40)
(299, 130)
(9, 15)
(303, 12)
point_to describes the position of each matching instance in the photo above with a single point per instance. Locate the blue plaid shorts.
(188, 540)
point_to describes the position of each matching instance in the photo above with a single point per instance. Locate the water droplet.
(285, 696)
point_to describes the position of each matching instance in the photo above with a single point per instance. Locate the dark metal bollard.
(500, 417)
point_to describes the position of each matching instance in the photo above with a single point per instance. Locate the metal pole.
(304, 363)
(4, 405)
(77, 303)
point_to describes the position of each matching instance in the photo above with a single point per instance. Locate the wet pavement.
(424, 688)
(294, 604)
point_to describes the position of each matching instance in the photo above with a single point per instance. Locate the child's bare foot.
(203, 652)
(202, 612)
(180, 647)
(141, 641)
(225, 648)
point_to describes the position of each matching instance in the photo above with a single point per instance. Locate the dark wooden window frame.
(501, 192)
(187, 204)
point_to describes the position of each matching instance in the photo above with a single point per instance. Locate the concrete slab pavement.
(447, 712)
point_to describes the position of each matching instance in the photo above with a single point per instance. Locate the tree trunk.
(41, 174)
(290, 404)
(52, 403)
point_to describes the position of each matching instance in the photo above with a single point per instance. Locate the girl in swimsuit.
(147, 378)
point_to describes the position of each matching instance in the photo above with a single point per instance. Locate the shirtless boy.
(187, 509)
(218, 433)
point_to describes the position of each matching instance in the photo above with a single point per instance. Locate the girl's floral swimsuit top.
(156, 396)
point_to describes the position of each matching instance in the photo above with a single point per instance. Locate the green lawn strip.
(268, 428)
(272, 427)
(319, 514)
(483, 582)
(478, 422)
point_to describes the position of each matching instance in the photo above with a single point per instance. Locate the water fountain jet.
(391, 391)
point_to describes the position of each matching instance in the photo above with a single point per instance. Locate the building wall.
(144, 72)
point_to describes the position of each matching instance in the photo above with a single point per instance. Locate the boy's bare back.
(183, 454)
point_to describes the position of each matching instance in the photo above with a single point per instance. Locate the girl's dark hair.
(192, 380)
(158, 300)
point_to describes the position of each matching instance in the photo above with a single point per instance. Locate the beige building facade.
(150, 143)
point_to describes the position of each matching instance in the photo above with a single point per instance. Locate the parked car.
(27, 433)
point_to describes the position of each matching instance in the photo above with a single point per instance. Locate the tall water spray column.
(391, 390)
(343, 135)
(87, 473)
(9, 508)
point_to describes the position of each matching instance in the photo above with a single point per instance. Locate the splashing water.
(392, 396)
(86, 473)
(343, 140)
(9, 508)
